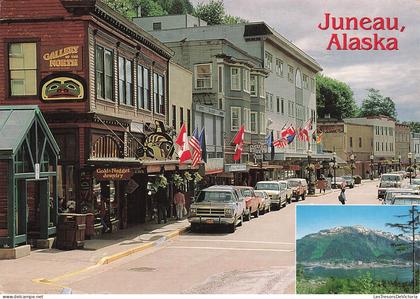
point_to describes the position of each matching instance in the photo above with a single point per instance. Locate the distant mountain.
(350, 244)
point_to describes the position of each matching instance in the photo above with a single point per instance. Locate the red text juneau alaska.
(375, 25)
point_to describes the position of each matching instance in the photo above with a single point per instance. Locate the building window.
(220, 78)
(351, 141)
(382, 130)
(202, 73)
(181, 116)
(312, 85)
(142, 82)
(146, 90)
(291, 108)
(125, 79)
(245, 81)
(278, 105)
(174, 117)
(254, 86)
(261, 86)
(157, 26)
(159, 93)
(189, 122)
(269, 102)
(254, 120)
(268, 61)
(290, 74)
(104, 73)
(279, 67)
(360, 141)
(23, 69)
(282, 106)
(305, 81)
(235, 118)
(263, 124)
(235, 78)
(247, 119)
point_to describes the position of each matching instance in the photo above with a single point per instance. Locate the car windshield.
(246, 192)
(391, 178)
(294, 183)
(267, 186)
(347, 177)
(259, 193)
(215, 196)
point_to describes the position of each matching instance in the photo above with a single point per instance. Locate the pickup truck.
(218, 205)
(254, 204)
(299, 188)
(278, 192)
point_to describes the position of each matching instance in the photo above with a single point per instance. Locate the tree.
(229, 20)
(376, 104)
(213, 12)
(128, 8)
(414, 126)
(410, 228)
(334, 98)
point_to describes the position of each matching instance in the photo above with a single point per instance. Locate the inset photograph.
(357, 249)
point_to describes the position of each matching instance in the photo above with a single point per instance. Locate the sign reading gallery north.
(62, 58)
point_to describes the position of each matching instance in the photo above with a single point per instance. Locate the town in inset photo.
(357, 249)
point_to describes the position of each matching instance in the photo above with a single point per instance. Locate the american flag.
(280, 142)
(195, 144)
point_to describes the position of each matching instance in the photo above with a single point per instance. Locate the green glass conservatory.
(28, 183)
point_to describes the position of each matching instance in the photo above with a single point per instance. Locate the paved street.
(258, 258)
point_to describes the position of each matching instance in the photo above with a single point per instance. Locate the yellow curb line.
(108, 259)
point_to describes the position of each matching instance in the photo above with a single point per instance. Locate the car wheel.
(289, 200)
(241, 219)
(303, 196)
(231, 228)
(194, 227)
(285, 203)
(257, 212)
(248, 216)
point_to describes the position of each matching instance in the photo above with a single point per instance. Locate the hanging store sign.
(258, 148)
(113, 174)
(62, 58)
(62, 87)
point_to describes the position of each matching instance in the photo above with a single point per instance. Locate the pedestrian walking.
(342, 196)
(179, 200)
(162, 204)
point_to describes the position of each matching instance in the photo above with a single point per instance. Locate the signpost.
(258, 149)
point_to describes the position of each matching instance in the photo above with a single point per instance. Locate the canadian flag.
(184, 149)
(239, 141)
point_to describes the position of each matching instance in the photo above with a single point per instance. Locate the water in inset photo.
(357, 249)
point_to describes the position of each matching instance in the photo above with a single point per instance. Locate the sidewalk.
(45, 270)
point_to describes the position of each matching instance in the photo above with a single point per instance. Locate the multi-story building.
(362, 137)
(101, 83)
(402, 143)
(290, 91)
(415, 148)
(227, 92)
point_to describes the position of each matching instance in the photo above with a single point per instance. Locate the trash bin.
(71, 231)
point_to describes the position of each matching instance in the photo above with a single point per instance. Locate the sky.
(312, 218)
(395, 73)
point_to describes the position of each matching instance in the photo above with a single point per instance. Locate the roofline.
(223, 41)
(278, 37)
(145, 37)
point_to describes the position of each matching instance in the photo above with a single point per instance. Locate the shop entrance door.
(32, 209)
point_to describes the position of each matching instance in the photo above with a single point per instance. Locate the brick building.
(101, 83)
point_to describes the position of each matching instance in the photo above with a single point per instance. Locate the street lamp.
(311, 189)
(399, 162)
(410, 155)
(334, 166)
(352, 165)
(371, 167)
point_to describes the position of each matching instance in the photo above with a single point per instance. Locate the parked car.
(266, 200)
(339, 183)
(253, 202)
(389, 180)
(277, 190)
(349, 180)
(299, 188)
(391, 193)
(217, 205)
